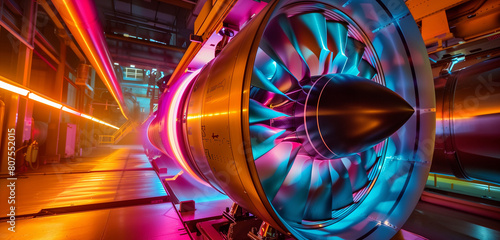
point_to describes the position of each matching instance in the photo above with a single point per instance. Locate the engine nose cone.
(345, 114)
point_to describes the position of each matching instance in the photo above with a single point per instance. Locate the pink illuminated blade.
(309, 32)
(368, 158)
(357, 172)
(337, 39)
(284, 81)
(274, 166)
(290, 201)
(263, 138)
(260, 81)
(341, 185)
(277, 44)
(319, 201)
(259, 112)
(275, 73)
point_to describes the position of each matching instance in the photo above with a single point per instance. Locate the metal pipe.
(468, 113)
(81, 19)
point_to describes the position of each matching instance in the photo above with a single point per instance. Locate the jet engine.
(318, 117)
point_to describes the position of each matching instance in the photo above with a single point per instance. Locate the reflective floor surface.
(114, 194)
(439, 223)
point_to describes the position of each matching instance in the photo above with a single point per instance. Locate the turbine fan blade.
(337, 40)
(268, 98)
(368, 158)
(357, 172)
(260, 81)
(277, 45)
(354, 52)
(265, 63)
(274, 166)
(287, 108)
(290, 200)
(284, 81)
(284, 123)
(319, 201)
(259, 112)
(310, 40)
(366, 70)
(263, 138)
(341, 185)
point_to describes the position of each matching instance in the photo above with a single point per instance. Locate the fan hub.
(345, 114)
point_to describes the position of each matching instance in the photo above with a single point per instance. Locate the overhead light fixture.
(132, 66)
(47, 101)
(43, 100)
(96, 120)
(86, 116)
(69, 110)
(14, 89)
(116, 64)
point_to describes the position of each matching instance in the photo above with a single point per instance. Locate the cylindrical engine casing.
(468, 120)
(208, 130)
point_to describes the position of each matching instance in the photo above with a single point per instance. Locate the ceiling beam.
(143, 63)
(144, 42)
(180, 3)
(423, 8)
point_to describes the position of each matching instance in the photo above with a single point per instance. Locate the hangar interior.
(249, 119)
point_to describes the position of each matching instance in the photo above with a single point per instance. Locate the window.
(133, 74)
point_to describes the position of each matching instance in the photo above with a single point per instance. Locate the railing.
(472, 188)
(125, 129)
(106, 139)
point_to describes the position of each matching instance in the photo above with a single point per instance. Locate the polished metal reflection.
(467, 136)
(245, 112)
(345, 114)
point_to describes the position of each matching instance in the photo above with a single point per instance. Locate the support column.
(52, 145)
(9, 122)
(20, 108)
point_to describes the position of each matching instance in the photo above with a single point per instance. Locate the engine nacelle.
(318, 117)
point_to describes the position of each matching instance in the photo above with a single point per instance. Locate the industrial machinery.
(466, 141)
(317, 117)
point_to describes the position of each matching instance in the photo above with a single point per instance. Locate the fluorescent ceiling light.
(14, 89)
(43, 100)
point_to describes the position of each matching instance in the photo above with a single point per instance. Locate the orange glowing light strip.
(47, 101)
(96, 120)
(69, 110)
(174, 177)
(14, 89)
(172, 119)
(86, 116)
(43, 100)
(106, 80)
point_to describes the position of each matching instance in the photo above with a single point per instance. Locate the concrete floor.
(114, 194)
(440, 223)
